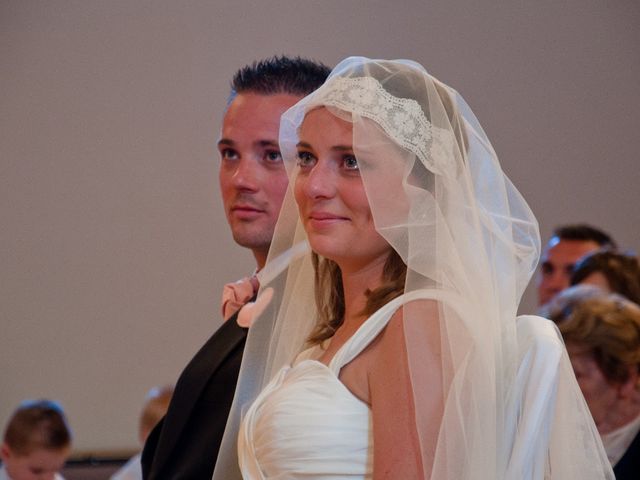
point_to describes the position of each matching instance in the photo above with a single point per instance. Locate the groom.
(253, 181)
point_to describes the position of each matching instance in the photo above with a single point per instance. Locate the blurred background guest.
(611, 271)
(567, 245)
(560, 307)
(36, 442)
(602, 335)
(155, 407)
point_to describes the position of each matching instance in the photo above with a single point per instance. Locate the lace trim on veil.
(401, 118)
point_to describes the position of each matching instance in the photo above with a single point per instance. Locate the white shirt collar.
(618, 441)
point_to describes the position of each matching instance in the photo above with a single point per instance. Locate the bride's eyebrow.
(342, 148)
(337, 148)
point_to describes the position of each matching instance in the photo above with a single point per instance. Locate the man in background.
(253, 181)
(568, 244)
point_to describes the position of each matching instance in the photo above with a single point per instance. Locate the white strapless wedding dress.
(306, 423)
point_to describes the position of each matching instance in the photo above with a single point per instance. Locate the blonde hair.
(608, 327)
(155, 407)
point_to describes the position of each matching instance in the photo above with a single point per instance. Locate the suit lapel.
(192, 382)
(629, 464)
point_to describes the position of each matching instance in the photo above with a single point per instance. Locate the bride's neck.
(356, 282)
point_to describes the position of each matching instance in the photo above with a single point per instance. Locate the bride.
(391, 349)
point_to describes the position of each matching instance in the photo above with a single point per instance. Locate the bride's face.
(330, 194)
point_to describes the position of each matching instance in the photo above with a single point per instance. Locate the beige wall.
(114, 247)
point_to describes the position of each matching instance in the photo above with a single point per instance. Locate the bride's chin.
(325, 247)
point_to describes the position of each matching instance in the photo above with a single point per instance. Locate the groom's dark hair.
(279, 74)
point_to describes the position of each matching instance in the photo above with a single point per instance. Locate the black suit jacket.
(185, 444)
(628, 467)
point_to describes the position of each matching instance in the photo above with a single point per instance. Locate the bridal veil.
(439, 197)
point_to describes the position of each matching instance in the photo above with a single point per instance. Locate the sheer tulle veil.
(470, 242)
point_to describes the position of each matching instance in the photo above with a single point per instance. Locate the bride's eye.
(305, 159)
(350, 162)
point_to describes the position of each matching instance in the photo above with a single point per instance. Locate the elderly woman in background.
(602, 335)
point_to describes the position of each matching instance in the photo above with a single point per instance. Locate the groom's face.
(252, 176)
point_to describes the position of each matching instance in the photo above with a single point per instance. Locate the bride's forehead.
(322, 121)
(327, 111)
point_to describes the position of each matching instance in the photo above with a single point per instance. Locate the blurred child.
(36, 442)
(155, 406)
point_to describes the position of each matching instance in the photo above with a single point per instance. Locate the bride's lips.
(324, 219)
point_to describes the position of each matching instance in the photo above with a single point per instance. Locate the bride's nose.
(319, 182)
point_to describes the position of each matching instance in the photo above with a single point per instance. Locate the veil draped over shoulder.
(470, 243)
